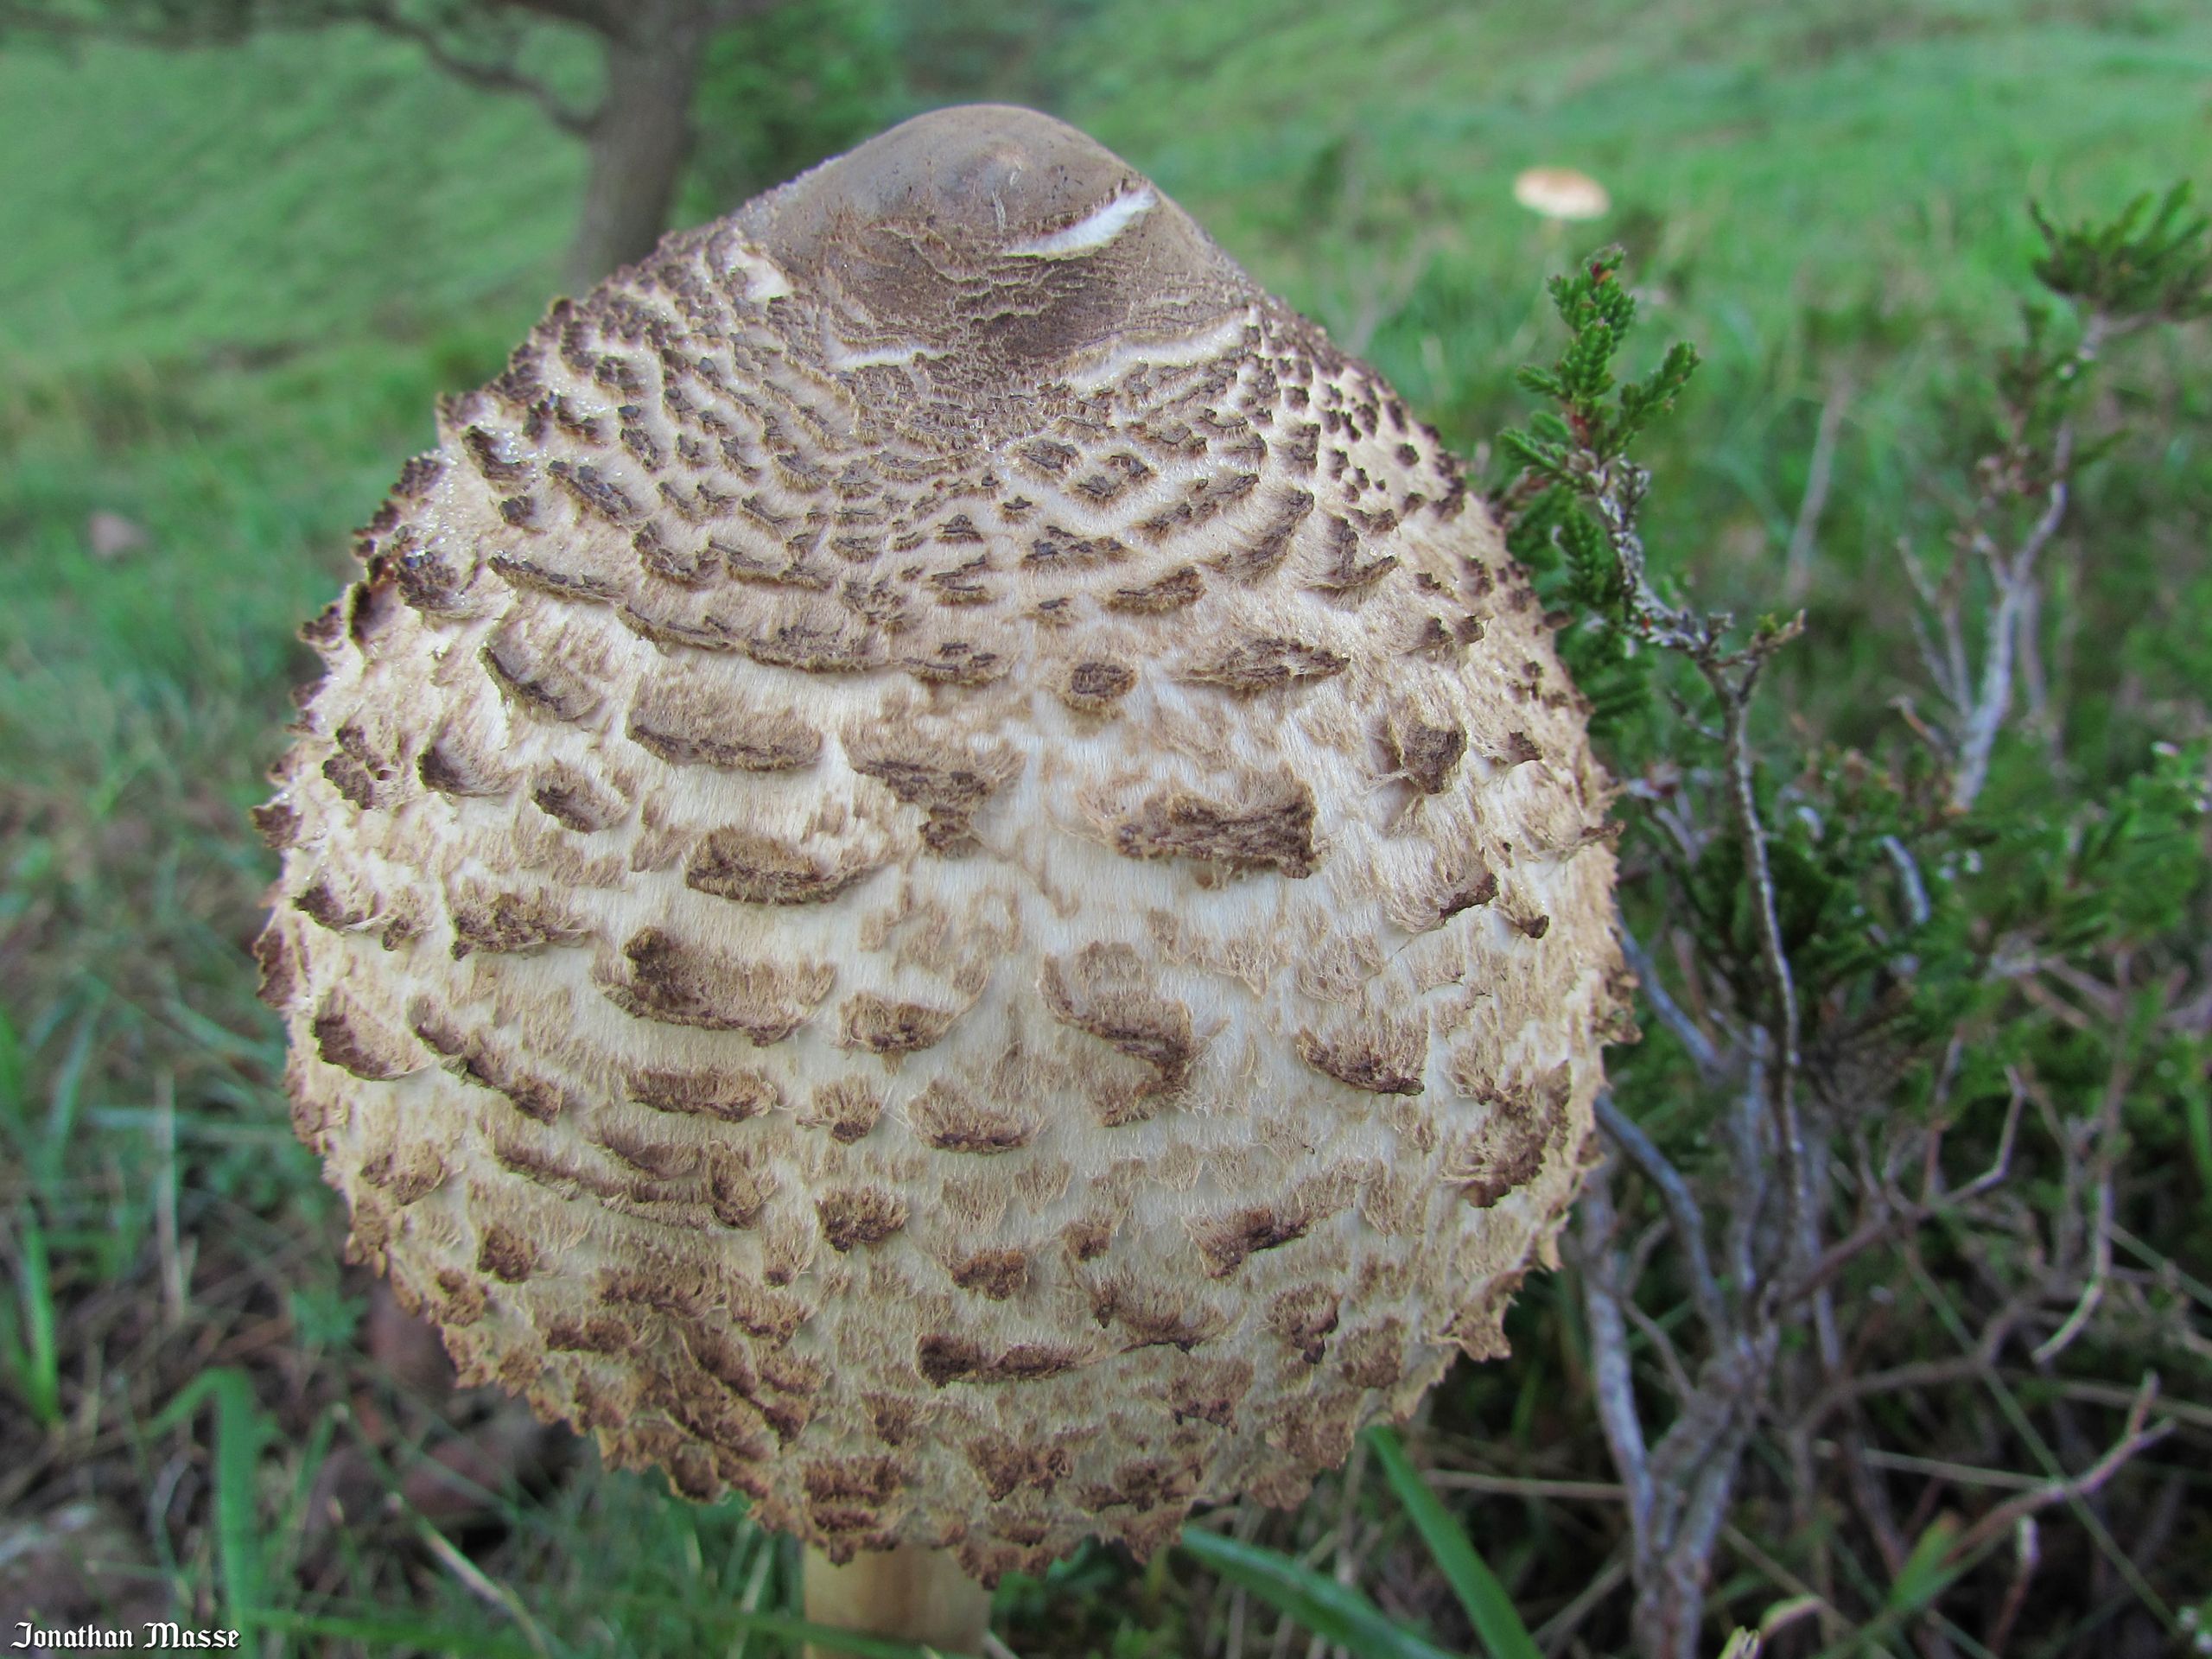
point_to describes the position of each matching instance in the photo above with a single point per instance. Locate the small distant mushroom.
(110, 537)
(942, 875)
(1560, 193)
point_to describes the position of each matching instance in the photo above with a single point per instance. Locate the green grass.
(292, 194)
(1489, 1610)
(232, 285)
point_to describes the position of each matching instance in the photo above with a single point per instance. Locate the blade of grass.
(292, 1529)
(13, 1072)
(1927, 1571)
(2197, 1118)
(241, 1431)
(482, 1585)
(51, 1153)
(760, 1552)
(1497, 1623)
(1335, 1611)
(33, 1353)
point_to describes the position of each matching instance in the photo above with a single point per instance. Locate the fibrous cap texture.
(940, 873)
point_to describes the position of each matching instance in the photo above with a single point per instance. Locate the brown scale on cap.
(912, 886)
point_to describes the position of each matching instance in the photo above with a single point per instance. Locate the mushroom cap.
(941, 873)
(1561, 193)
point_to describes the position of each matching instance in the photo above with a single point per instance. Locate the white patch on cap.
(1095, 230)
(844, 357)
(763, 280)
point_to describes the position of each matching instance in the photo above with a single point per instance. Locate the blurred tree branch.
(638, 132)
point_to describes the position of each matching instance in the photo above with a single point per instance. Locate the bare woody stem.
(908, 1594)
(1733, 680)
(2010, 638)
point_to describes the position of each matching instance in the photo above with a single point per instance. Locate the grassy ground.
(232, 285)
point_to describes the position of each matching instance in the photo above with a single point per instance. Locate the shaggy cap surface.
(941, 873)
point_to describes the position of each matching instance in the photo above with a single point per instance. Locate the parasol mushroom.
(1559, 194)
(941, 874)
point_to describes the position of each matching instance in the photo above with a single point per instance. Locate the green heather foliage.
(1936, 431)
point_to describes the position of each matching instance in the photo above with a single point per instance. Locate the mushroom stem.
(913, 1594)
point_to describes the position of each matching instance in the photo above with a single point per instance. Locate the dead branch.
(492, 75)
(1797, 564)
(1611, 1381)
(1683, 1212)
(1702, 1053)
(2137, 1437)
